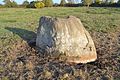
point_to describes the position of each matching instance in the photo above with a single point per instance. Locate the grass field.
(95, 19)
(18, 25)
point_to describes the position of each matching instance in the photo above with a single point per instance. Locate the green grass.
(94, 19)
(27, 20)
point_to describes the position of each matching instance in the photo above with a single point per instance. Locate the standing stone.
(68, 36)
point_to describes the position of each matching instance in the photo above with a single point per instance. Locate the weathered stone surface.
(68, 36)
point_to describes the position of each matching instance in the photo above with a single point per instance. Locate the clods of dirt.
(23, 62)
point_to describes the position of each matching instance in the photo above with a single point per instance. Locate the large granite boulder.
(68, 37)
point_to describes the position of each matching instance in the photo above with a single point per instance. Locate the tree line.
(63, 3)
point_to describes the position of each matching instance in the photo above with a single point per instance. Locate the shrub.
(39, 5)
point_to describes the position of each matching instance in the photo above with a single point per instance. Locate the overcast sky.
(20, 1)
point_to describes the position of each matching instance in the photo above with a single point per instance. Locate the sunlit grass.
(94, 19)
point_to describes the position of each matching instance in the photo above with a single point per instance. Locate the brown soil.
(22, 62)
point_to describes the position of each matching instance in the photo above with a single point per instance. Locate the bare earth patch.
(21, 62)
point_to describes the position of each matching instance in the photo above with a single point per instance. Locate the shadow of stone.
(26, 35)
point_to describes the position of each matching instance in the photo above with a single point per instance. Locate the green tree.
(118, 2)
(48, 3)
(9, 3)
(6, 1)
(106, 1)
(87, 2)
(14, 4)
(1, 6)
(70, 1)
(25, 3)
(111, 1)
(32, 4)
(39, 5)
(98, 1)
(62, 3)
(73, 1)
